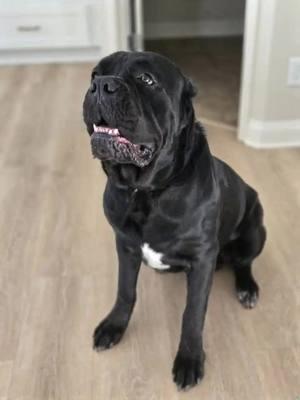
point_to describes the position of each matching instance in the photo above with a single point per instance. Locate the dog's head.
(136, 110)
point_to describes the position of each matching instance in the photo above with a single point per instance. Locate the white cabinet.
(62, 30)
(45, 28)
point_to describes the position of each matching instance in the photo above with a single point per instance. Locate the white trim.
(139, 25)
(213, 27)
(272, 134)
(139, 14)
(259, 22)
(123, 11)
(248, 57)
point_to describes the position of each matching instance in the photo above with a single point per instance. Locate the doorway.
(214, 65)
(206, 39)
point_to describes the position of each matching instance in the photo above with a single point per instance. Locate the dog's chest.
(153, 258)
(148, 224)
(157, 231)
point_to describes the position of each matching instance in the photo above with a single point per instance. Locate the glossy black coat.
(186, 204)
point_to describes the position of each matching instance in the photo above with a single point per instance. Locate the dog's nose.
(106, 85)
(110, 85)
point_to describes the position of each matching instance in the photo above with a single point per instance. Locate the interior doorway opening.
(205, 38)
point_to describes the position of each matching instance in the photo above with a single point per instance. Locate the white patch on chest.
(153, 258)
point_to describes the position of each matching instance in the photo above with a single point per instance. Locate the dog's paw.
(187, 371)
(248, 296)
(106, 335)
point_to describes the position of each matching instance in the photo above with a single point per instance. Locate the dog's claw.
(248, 296)
(107, 335)
(187, 372)
(247, 299)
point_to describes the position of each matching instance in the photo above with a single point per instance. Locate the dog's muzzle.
(108, 144)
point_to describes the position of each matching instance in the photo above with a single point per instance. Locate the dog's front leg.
(110, 331)
(188, 368)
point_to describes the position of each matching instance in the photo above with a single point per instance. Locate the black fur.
(185, 203)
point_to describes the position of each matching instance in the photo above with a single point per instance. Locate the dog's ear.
(187, 119)
(190, 88)
(187, 110)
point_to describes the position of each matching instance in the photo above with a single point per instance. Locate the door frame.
(248, 65)
(136, 38)
(252, 44)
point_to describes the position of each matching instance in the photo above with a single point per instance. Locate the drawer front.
(42, 29)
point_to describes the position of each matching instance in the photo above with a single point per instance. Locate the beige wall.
(156, 11)
(188, 18)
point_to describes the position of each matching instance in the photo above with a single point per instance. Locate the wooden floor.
(58, 267)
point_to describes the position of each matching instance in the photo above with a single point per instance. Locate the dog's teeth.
(105, 129)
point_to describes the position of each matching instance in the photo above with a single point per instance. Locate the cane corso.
(171, 203)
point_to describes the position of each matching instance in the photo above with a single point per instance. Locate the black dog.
(170, 202)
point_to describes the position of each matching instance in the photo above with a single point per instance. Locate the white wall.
(285, 44)
(171, 18)
(273, 115)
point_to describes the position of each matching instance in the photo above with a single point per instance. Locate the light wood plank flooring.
(58, 267)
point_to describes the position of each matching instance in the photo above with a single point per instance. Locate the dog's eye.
(146, 79)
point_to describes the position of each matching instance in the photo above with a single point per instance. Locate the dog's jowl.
(170, 202)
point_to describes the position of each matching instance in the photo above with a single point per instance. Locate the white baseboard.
(272, 134)
(213, 27)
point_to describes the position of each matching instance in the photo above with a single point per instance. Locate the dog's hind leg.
(243, 251)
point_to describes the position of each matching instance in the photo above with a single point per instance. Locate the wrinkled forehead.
(131, 64)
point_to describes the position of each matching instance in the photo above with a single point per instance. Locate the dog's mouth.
(109, 144)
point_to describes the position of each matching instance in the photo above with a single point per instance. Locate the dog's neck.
(190, 150)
